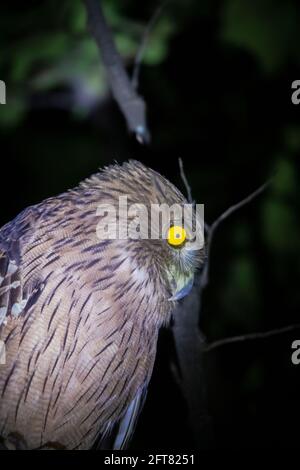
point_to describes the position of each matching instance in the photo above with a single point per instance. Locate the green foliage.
(280, 227)
(267, 29)
(58, 50)
(12, 115)
(159, 41)
(285, 180)
(76, 17)
(35, 51)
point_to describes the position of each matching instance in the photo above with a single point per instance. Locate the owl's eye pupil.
(176, 236)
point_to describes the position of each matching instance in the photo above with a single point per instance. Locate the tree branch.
(143, 45)
(131, 104)
(185, 181)
(239, 205)
(250, 336)
(189, 342)
(211, 229)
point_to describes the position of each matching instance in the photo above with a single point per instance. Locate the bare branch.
(239, 205)
(143, 45)
(210, 229)
(131, 104)
(185, 181)
(250, 336)
(190, 344)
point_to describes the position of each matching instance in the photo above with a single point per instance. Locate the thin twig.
(131, 104)
(250, 336)
(211, 229)
(238, 206)
(185, 181)
(143, 45)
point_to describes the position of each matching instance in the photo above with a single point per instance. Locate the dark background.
(217, 80)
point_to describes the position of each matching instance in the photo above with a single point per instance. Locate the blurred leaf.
(76, 16)
(157, 50)
(12, 112)
(285, 180)
(125, 45)
(265, 28)
(44, 48)
(280, 227)
(81, 62)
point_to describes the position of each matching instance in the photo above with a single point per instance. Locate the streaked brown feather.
(81, 316)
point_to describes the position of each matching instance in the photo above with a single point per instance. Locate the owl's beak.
(182, 287)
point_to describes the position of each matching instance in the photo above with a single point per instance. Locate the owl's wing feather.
(15, 296)
(129, 421)
(12, 299)
(118, 435)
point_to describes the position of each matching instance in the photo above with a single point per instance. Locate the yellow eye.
(176, 235)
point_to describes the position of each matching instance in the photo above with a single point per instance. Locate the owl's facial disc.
(181, 285)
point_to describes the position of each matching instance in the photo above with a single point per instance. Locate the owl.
(80, 312)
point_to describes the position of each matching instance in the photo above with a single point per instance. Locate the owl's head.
(174, 247)
(161, 232)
